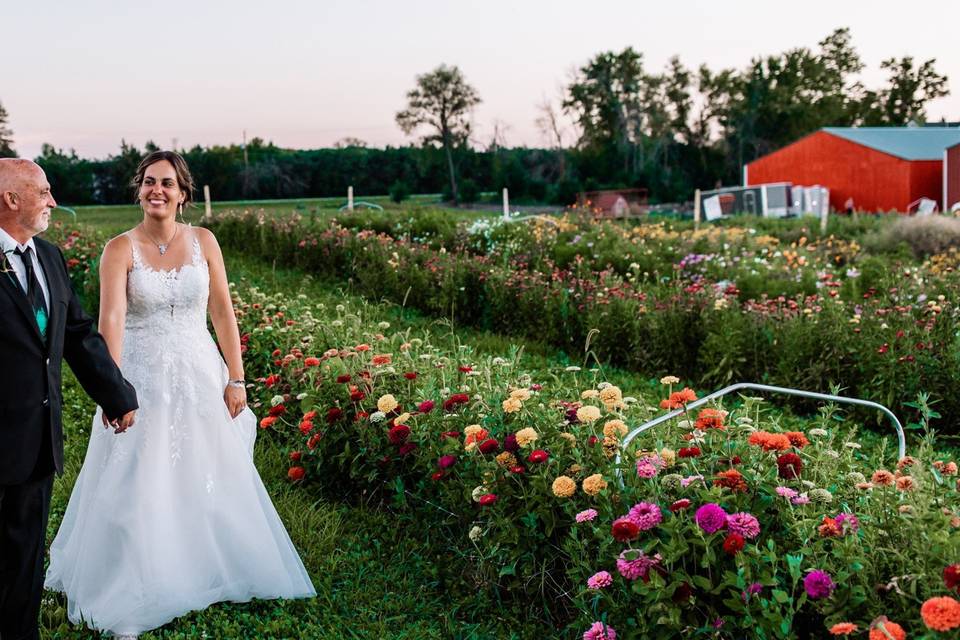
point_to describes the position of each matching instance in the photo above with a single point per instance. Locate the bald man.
(41, 323)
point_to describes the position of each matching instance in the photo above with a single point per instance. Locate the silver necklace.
(161, 246)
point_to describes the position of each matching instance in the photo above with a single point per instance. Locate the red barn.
(951, 177)
(881, 168)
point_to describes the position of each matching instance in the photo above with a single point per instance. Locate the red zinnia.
(689, 452)
(314, 441)
(343, 379)
(296, 473)
(624, 530)
(951, 576)
(267, 422)
(334, 414)
(357, 395)
(398, 434)
(680, 505)
(278, 410)
(295, 456)
(437, 475)
(517, 469)
(489, 445)
(455, 400)
(538, 455)
(311, 362)
(488, 499)
(310, 415)
(789, 466)
(426, 406)
(733, 543)
(306, 427)
(410, 375)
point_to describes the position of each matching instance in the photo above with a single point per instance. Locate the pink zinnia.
(646, 515)
(586, 516)
(711, 517)
(818, 584)
(600, 631)
(848, 522)
(599, 580)
(685, 482)
(744, 524)
(649, 465)
(786, 492)
(800, 499)
(638, 567)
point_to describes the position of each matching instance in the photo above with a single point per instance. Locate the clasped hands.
(120, 424)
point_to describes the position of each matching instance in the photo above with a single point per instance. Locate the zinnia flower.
(646, 515)
(882, 478)
(679, 399)
(525, 437)
(506, 460)
(487, 499)
(538, 455)
(951, 576)
(744, 524)
(426, 406)
(649, 465)
(710, 419)
(731, 479)
(843, 629)
(711, 517)
(797, 439)
(398, 434)
(680, 505)
(600, 631)
(387, 403)
(786, 492)
(296, 473)
(789, 466)
(883, 629)
(769, 441)
(636, 568)
(818, 584)
(599, 580)
(564, 487)
(490, 445)
(615, 428)
(588, 414)
(941, 614)
(512, 405)
(593, 485)
(455, 401)
(624, 529)
(445, 462)
(733, 543)
(586, 516)
(689, 452)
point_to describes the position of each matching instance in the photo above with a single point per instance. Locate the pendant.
(163, 248)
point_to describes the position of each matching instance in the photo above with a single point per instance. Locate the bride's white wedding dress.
(171, 516)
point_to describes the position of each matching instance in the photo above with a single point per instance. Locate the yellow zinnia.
(387, 403)
(564, 487)
(527, 436)
(512, 405)
(588, 414)
(592, 485)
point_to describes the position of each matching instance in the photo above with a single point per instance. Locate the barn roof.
(909, 143)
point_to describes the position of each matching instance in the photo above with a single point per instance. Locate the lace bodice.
(164, 300)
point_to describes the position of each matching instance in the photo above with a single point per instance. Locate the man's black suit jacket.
(30, 395)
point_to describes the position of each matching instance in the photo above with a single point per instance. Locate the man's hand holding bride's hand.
(236, 399)
(119, 424)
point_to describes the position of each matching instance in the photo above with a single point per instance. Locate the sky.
(84, 74)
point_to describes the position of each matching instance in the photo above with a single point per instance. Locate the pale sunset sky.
(85, 74)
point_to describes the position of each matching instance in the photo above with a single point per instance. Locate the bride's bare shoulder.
(118, 250)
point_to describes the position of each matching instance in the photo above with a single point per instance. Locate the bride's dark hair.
(184, 179)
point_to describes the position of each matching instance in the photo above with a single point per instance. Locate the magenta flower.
(744, 524)
(649, 466)
(686, 482)
(600, 631)
(847, 522)
(599, 580)
(800, 499)
(818, 584)
(445, 462)
(586, 516)
(711, 517)
(637, 567)
(646, 515)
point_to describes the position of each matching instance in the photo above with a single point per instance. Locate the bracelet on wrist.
(239, 383)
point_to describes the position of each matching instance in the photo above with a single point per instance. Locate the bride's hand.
(236, 400)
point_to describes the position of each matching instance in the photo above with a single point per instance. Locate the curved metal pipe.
(901, 438)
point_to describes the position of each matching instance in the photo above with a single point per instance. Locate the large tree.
(443, 102)
(905, 97)
(6, 136)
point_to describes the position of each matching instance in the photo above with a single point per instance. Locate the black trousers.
(24, 510)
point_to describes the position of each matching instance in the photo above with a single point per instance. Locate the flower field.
(732, 521)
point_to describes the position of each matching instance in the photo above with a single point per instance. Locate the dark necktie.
(34, 293)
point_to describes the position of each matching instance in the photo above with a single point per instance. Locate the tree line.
(616, 124)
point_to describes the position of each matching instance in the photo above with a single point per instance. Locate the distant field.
(117, 218)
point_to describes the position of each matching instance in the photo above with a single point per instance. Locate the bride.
(170, 516)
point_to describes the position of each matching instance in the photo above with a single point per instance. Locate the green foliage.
(6, 136)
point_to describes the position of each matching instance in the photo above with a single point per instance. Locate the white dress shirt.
(9, 245)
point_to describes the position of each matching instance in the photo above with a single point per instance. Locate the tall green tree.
(6, 136)
(907, 93)
(442, 102)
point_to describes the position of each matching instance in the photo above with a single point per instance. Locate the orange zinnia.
(679, 399)
(797, 439)
(769, 441)
(893, 630)
(711, 419)
(731, 479)
(941, 614)
(843, 629)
